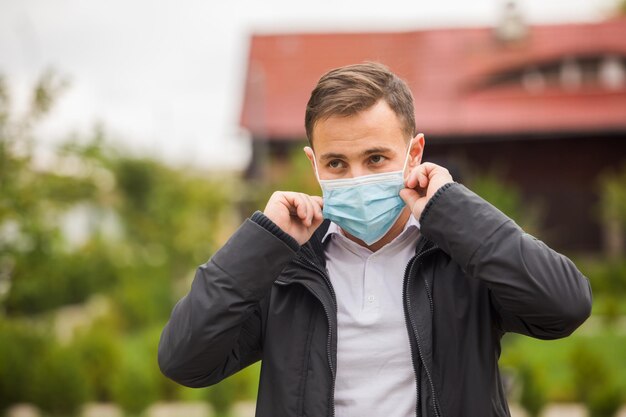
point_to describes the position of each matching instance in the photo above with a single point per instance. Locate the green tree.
(36, 273)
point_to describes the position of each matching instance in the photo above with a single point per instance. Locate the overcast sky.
(165, 77)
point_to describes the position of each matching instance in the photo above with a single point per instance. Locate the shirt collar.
(334, 228)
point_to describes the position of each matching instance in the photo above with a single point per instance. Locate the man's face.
(369, 142)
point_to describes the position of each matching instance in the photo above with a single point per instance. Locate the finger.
(303, 209)
(310, 211)
(418, 177)
(411, 181)
(318, 205)
(294, 200)
(414, 201)
(428, 169)
(318, 200)
(408, 179)
(409, 196)
(423, 178)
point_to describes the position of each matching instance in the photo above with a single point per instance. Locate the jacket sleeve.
(534, 290)
(216, 329)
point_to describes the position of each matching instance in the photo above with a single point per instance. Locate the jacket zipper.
(312, 267)
(409, 269)
(408, 329)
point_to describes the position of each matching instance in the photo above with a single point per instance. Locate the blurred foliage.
(241, 386)
(608, 282)
(613, 195)
(293, 172)
(533, 396)
(508, 199)
(101, 358)
(612, 207)
(144, 227)
(41, 281)
(136, 385)
(58, 385)
(594, 383)
(21, 345)
(166, 220)
(558, 377)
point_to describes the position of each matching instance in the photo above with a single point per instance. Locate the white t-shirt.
(375, 375)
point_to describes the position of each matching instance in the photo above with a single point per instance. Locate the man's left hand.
(421, 184)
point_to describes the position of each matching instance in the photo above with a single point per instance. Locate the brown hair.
(348, 90)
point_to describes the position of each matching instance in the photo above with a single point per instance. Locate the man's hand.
(298, 214)
(421, 184)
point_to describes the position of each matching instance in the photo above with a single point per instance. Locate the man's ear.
(417, 150)
(311, 155)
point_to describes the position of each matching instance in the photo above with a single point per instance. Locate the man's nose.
(358, 171)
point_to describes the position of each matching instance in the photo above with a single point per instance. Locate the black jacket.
(475, 276)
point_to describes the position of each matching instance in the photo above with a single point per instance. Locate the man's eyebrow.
(378, 149)
(370, 151)
(331, 155)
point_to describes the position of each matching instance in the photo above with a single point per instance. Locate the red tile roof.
(443, 68)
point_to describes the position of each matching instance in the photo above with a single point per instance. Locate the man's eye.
(335, 163)
(377, 159)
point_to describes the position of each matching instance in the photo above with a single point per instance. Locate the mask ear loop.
(317, 174)
(406, 159)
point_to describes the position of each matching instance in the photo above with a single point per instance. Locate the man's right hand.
(298, 214)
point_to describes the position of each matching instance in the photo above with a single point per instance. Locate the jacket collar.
(314, 248)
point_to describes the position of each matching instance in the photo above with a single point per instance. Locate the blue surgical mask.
(367, 206)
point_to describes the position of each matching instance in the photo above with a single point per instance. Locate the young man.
(395, 304)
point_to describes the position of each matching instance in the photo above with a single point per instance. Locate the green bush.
(604, 402)
(46, 280)
(594, 382)
(58, 384)
(20, 346)
(533, 396)
(143, 297)
(134, 386)
(148, 343)
(589, 370)
(222, 396)
(241, 386)
(139, 382)
(99, 353)
(607, 276)
(608, 282)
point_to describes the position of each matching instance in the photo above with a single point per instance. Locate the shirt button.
(371, 298)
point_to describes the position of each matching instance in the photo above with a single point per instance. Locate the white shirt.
(375, 375)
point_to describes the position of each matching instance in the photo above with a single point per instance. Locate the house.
(543, 106)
